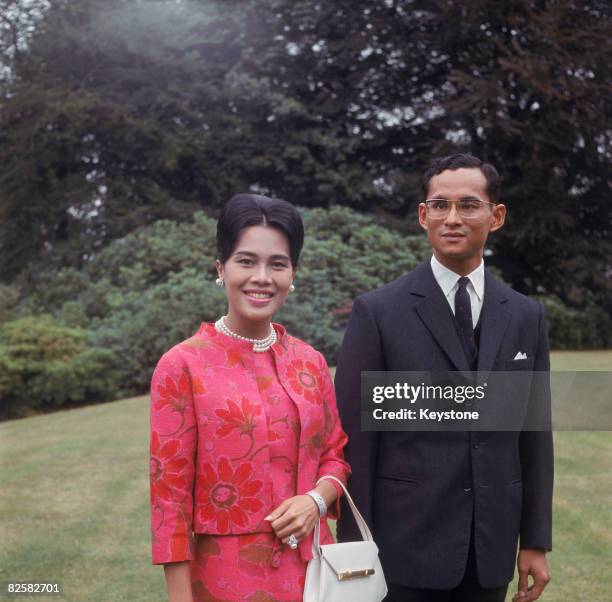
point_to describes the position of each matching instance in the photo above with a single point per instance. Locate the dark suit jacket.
(419, 490)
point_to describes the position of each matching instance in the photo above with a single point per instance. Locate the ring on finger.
(292, 541)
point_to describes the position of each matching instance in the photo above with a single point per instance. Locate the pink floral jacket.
(209, 462)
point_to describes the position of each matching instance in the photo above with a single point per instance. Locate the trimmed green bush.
(151, 289)
(568, 328)
(44, 365)
(345, 254)
(141, 326)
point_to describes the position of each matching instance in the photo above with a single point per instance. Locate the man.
(447, 508)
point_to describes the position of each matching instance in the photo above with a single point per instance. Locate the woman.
(243, 424)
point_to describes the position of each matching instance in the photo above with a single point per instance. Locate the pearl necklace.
(259, 345)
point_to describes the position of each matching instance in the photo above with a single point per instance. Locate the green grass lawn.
(74, 503)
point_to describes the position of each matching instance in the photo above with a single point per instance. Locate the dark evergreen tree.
(119, 113)
(525, 85)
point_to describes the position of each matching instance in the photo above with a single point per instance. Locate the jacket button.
(475, 445)
(467, 489)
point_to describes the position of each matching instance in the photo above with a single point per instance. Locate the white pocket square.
(520, 355)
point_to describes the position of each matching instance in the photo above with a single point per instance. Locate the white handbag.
(345, 572)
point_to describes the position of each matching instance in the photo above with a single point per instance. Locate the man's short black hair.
(461, 160)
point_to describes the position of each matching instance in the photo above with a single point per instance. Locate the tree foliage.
(121, 113)
(525, 85)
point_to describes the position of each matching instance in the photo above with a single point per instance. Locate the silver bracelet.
(319, 501)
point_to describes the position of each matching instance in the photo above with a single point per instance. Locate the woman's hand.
(295, 516)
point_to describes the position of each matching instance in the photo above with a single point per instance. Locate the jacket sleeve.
(173, 439)
(361, 351)
(332, 460)
(536, 454)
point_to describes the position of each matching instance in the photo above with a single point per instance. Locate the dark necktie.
(463, 315)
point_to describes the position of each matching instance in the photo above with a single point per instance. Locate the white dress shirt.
(449, 283)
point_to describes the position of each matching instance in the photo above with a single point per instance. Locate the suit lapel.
(494, 320)
(436, 314)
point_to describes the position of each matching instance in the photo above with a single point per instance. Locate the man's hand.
(534, 563)
(295, 516)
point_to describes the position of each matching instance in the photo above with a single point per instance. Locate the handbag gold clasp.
(354, 574)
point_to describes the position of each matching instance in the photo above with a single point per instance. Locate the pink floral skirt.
(249, 568)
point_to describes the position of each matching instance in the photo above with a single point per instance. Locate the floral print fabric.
(215, 465)
(254, 567)
(234, 568)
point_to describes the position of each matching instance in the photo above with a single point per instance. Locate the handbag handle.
(361, 524)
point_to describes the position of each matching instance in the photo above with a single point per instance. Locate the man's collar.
(447, 279)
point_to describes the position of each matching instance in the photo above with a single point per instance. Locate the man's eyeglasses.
(466, 208)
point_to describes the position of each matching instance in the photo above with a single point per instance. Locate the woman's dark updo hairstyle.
(244, 210)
